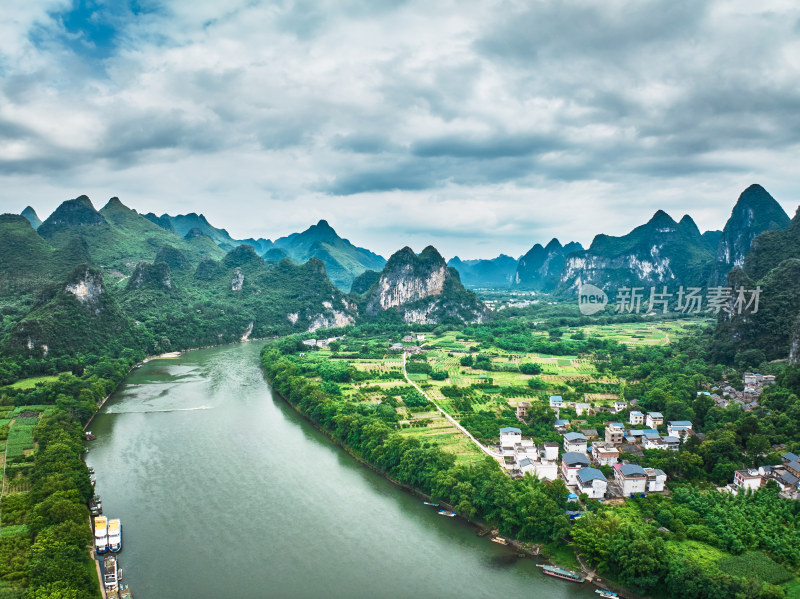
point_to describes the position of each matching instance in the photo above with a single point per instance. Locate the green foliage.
(756, 565)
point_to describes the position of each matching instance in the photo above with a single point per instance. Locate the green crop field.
(755, 564)
(31, 382)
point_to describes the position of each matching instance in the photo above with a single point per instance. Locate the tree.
(530, 368)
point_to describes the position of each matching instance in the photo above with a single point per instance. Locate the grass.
(13, 530)
(757, 565)
(32, 382)
(562, 554)
(792, 589)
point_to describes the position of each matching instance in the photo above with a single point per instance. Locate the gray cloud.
(359, 109)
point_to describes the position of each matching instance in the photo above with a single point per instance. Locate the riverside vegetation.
(692, 543)
(90, 293)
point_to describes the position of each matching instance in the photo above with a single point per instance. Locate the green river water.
(224, 491)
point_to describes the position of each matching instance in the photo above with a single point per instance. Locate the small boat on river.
(447, 513)
(606, 594)
(561, 573)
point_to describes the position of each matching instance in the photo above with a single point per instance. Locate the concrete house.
(672, 443)
(654, 419)
(631, 478)
(679, 428)
(746, 479)
(636, 417)
(615, 432)
(556, 402)
(592, 482)
(561, 425)
(619, 406)
(652, 441)
(571, 462)
(522, 409)
(582, 408)
(656, 479)
(551, 451)
(575, 442)
(604, 454)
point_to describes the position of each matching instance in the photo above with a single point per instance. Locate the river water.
(224, 491)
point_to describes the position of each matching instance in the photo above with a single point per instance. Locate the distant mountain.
(540, 268)
(661, 251)
(343, 260)
(183, 224)
(497, 272)
(711, 239)
(773, 263)
(755, 212)
(33, 218)
(81, 316)
(423, 290)
(77, 213)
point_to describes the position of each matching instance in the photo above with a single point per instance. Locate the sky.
(479, 127)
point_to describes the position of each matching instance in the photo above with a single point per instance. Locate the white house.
(592, 482)
(636, 417)
(571, 462)
(679, 428)
(672, 443)
(652, 441)
(544, 470)
(655, 480)
(654, 419)
(619, 406)
(581, 408)
(556, 402)
(510, 436)
(631, 478)
(746, 479)
(575, 442)
(604, 454)
(551, 451)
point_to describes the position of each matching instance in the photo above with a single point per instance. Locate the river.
(224, 491)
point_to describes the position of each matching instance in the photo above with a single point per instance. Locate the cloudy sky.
(481, 127)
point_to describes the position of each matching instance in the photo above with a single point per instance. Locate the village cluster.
(583, 453)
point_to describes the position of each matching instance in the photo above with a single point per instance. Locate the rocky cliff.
(423, 290)
(661, 251)
(541, 267)
(755, 212)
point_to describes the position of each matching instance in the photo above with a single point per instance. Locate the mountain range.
(88, 280)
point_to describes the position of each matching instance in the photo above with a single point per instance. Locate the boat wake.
(164, 410)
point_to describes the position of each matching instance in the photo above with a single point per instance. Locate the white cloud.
(478, 127)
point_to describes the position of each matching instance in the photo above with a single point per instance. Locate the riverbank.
(482, 529)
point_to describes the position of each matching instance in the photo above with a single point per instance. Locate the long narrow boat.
(115, 535)
(101, 534)
(447, 513)
(112, 574)
(606, 594)
(561, 573)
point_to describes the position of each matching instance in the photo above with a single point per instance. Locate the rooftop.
(573, 458)
(589, 474)
(631, 470)
(575, 437)
(510, 429)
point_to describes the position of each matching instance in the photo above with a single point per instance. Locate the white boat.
(101, 534)
(115, 535)
(112, 574)
(607, 594)
(447, 513)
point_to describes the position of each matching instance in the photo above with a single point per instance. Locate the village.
(584, 456)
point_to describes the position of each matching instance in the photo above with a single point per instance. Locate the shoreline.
(482, 528)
